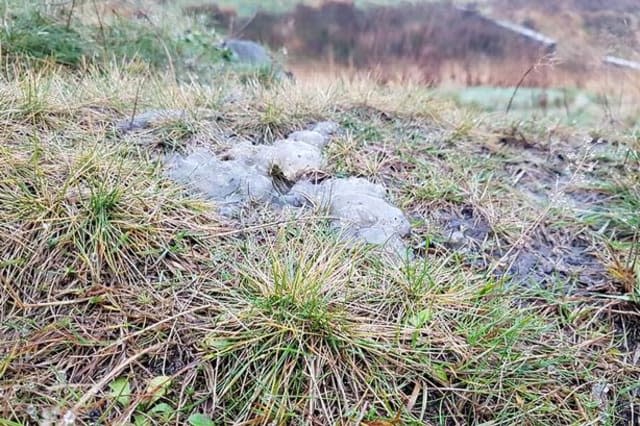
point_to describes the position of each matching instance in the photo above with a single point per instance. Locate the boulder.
(249, 55)
(358, 209)
(248, 52)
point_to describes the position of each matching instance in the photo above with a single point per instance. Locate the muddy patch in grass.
(548, 256)
(456, 228)
(463, 226)
(553, 257)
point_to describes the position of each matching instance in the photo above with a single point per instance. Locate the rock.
(358, 208)
(258, 156)
(205, 173)
(310, 137)
(229, 181)
(356, 186)
(456, 239)
(248, 52)
(365, 211)
(392, 243)
(326, 128)
(244, 170)
(295, 158)
(149, 119)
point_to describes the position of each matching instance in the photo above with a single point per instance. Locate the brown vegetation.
(443, 42)
(439, 43)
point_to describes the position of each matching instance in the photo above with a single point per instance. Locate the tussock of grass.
(58, 35)
(37, 36)
(94, 216)
(621, 218)
(303, 329)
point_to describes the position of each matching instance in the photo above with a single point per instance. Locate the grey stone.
(292, 157)
(456, 238)
(326, 128)
(310, 137)
(229, 181)
(148, 119)
(295, 158)
(203, 172)
(258, 156)
(392, 243)
(252, 55)
(366, 211)
(357, 206)
(248, 52)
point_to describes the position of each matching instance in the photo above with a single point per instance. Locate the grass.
(40, 37)
(70, 37)
(126, 300)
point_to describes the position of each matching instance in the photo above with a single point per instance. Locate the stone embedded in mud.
(258, 156)
(366, 211)
(246, 171)
(358, 207)
(310, 137)
(148, 119)
(292, 158)
(295, 158)
(326, 128)
(229, 181)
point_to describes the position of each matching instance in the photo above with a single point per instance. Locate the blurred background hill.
(579, 60)
(588, 48)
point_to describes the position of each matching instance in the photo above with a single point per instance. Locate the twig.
(100, 26)
(73, 6)
(542, 61)
(135, 103)
(515, 91)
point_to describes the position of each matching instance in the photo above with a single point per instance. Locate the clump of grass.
(271, 116)
(617, 190)
(430, 187)
(34, 35)
(125, 39)
(86, 216)
(621, 215)
(174, 135)
(312, 330)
